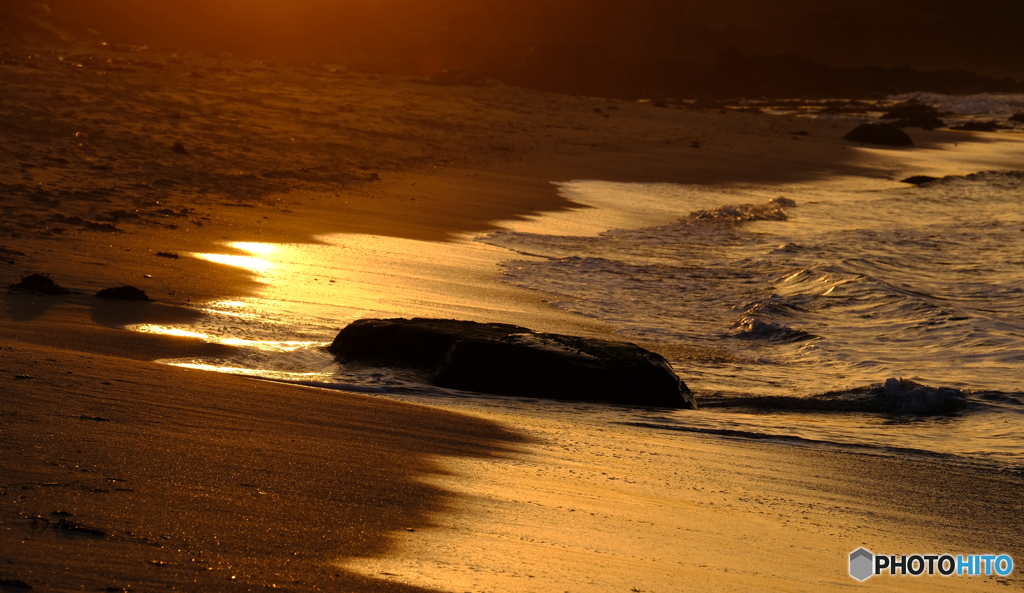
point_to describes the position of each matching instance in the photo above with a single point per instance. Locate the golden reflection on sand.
(308, 291)
(264, 345)
(258, 265)
(229, 304)
(345, 277)
(260, 373)
(257, 248)
(255, 264)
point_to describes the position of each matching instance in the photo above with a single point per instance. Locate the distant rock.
(883, 134)
(123, 293)
(1017, 117)
(914, 114)
(919, 179)
(504, 359)
(39, 283)
(179, 148)
(980, 126)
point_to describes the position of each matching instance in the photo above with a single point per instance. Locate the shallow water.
(817, 304)
(792, 312)
(853, 312)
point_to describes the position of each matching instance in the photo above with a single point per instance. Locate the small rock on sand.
(40, 283)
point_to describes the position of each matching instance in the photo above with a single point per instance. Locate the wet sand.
(117, 471)
(597, 507)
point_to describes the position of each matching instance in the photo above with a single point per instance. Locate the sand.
(119, 474)
(592, 507)
(115, 471)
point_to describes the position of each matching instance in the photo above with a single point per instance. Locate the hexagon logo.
(861, 564)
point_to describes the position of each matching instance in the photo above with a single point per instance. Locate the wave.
(797, 440)
(1010, 179)
(984, 104)
(333, 386)
(752, 328)
(894, 396)
(773, 209)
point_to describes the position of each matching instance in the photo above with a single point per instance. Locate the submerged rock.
(504, 359)
(884, 134)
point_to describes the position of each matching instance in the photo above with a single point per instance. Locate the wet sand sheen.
(588, 508)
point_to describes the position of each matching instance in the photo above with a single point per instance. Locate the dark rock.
(40, 283)
(1017, 117)
(980, 126)
(504, 359)
(123, 293)
(179, 148)
(919, 179)
(914, 114)
(167, 254)
(883, 134)
(925, 122)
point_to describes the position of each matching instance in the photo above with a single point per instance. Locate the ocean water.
(957, 109)
(879, 317)
(989, 106)
(852, 313)
(882, 319)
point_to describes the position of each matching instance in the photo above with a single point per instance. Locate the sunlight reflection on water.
(255, 264)
(264, 345)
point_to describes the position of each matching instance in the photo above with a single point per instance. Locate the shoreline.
(167, 416)
(286, 153)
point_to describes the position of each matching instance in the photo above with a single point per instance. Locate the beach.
(123, 474)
